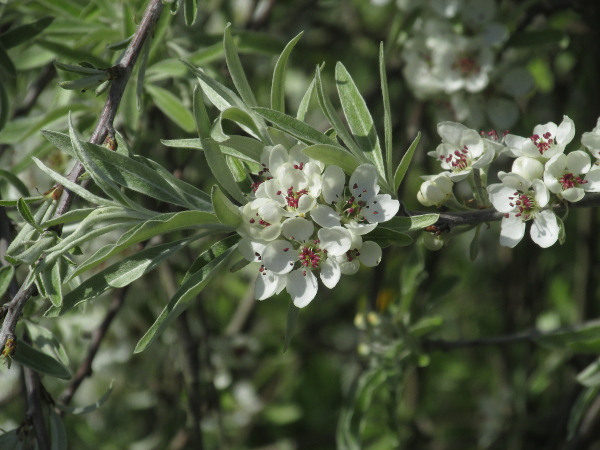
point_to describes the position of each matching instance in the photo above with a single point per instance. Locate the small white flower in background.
(362, 209)
(563, 175)
(546, 141)
(521, 201)
(591, 140)
(461, 150)
(435, 190)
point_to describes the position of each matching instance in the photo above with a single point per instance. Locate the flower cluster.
(542, 175)
(302, 219)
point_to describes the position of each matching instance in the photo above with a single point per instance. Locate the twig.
(509, 339)
(103, 128)
(85, 368)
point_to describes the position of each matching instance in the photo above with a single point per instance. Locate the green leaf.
(30, 357)
(16, 182)
(214, 156)
(426, 325)
(83, 84)
(74, 187)
(161, 224)
(590, 376)
(190, 9)
(74, 215)
(58, 434)
(6, 275)
(403, 166)
(241, 147)
(82, 70)
(226, 211)
(292, 319)
(387, 116)
(90, 408)
(584, 338)
(303, 107)
(203, 270)
(386, 237)
(72, 54)
(27, 232)
(295, 127)
(139, 87)
(359, 118)
(119, 274)
(4, 106)
(582, 404)
(410, 223)
(52, 282)
(474, 247)
(6, 63)
(172, 107)
(330, 154)
(236, 70)
(25, 213)
(278, 86)
(24, 33)
(536, 38)
(243, 118)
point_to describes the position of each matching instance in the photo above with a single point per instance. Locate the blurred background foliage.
(360, 372)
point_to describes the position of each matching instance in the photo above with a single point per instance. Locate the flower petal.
(370, 254)
(268, 284)
(363, 182)
(325, 216)
(380, 208)
(333, 184)
(512, 231)
(302, 287)
(545, 230)
(336, 240)
(500, 197)
(451, 132)
(251, 249)
(565, 132)
(279, 256)
(578, 162)
(330, 273)
(297, 229)
(360, 228)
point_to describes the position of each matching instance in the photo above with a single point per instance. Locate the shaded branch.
(102, 130)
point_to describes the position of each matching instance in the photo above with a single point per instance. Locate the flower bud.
(435, 190)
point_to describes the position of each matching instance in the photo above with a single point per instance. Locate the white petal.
(500, 197)
(573, 194)
(325, 216)
(333, 184)
(349, 267)
(593, 180)
(330, 273)
(512, 231)
(270, 211)
(275, 191)
(251, 250)
(297, 229)
(335, 240)
(541, 194)
(565, 132)
(363, 182)
(360, 228)
(279, 256)
(302, 287)
(451, 132)
(472, 140)
(279, 156)
(514, 181)
(545, 230)
(370, 254)
(485, 159)
(271, 232)
(268, 284)
(380, 208)
(306, 203)
(528, 168)
(578, 162)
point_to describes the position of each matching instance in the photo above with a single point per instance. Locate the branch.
(508, 339)
(103, 128)
(449, 220)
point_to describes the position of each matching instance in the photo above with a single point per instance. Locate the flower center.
(525, 204)
(467, 65)
(293, 197)
(568, 181)
(310, 256)
(459, 160)
(493, 135)
(543, 143)
(261, 222)
(352, 208)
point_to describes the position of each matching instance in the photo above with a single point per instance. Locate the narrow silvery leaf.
(582, 404)
(240, 147)
(27, 232)
(83, 84)
(359, 118)
(6, 63)
(52, 282)
(330, 154)
(403, 166)
(214, 156)
(236, 70)
(295, 127)
(410, 223)
(190, 9)
(226, 211)
(387, 116)
(139, 89)
(244, 119)
(78, 69)
(303, 107)
(172, 107)
(209, 264)
(590, 376)
(15, 182)
(58, 434)
(6, 274)
(24, 33)
(26, 214)
(30, 357)
(90, 408)
(4, 106)
(278, 86)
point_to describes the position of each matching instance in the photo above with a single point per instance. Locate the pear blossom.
(297, 256)
(260, 223)
(546, 141)
(267, 283)
(360, 207)
(461, 150)
(522, 200)
(435, 190)
(563, 175)
(368, 253)
(592, 140)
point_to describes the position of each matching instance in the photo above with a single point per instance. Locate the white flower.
(563, 175)
(368, 253)
(262, 223)
(521, 201)
(546, 141)
(592, 140)
(296, 257)
(267, 283)
(362, 209)
(529, 168)
(435, 190)
(461, 150)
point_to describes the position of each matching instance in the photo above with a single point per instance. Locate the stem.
(103, 129)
